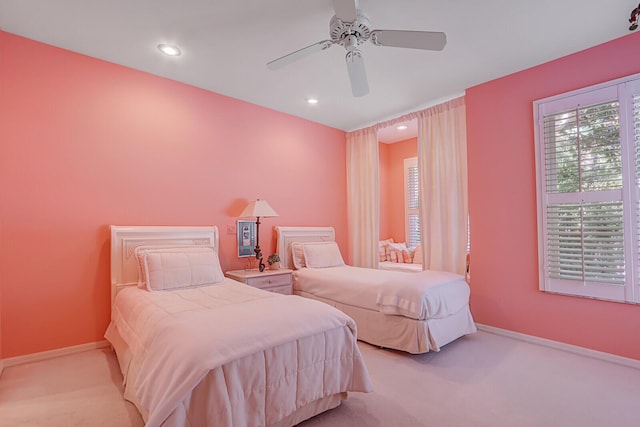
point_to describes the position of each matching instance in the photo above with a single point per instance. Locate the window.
(588, 187)
(411, 201)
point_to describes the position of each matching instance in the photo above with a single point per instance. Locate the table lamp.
(258, 208)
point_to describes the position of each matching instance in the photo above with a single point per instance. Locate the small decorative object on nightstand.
(279, 281)
(274, 261)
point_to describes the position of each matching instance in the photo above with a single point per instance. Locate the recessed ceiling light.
(402, 127)
(169, 49)
(312, 101)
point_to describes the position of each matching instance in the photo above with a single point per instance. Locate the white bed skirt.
(403, 333)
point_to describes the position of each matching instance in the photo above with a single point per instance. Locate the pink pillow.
(398, 252)
(382, 248)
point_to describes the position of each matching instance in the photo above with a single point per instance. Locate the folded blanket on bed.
(424, 295)
(175, 348)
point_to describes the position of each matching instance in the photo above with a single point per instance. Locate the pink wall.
(393, 207)
(86, 143)
(502, 205)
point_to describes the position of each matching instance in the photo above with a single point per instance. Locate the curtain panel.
(442, 164)
(363, 197)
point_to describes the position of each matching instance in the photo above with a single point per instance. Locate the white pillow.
(179, 267)
(322, 254)
(297, 255)
(139, 253)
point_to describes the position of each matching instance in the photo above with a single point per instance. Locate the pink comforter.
(292, 351)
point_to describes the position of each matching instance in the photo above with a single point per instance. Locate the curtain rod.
(409, 115)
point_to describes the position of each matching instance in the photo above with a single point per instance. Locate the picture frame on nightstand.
(246, 238)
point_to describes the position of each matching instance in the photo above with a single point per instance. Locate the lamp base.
(261, 265)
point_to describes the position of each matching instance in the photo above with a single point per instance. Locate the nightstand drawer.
(269, 281)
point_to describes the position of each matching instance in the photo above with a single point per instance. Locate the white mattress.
(243, 351)
(434, 294)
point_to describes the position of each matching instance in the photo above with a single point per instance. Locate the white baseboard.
(625, 361)
(36, 357)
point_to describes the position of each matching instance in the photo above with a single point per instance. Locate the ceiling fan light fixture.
(312, 101)
(350, 28)
(169, 49)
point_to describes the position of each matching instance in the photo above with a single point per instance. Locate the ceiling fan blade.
(346, 10)
(357, 73)
(410, 39)
(299, 54)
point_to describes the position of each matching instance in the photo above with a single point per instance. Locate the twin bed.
(414, 312)
(196, 348)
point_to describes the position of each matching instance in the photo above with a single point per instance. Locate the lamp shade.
(258, 208)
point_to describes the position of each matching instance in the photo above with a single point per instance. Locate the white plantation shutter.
(412, 191)
(585, 242)
(588, 167)
(583, 155)
(636, 143)
(582, 149)
(413, 223)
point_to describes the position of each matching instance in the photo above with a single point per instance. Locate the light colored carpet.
(479, 380)
(84, 389)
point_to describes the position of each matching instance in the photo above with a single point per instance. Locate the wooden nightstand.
(269, 280)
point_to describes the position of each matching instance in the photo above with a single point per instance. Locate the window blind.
(636, 139)
(582, 150)
(414, 230)
(586, 242)
(412, 186)
(636, 135)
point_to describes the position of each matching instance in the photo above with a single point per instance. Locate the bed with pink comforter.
(231, 355)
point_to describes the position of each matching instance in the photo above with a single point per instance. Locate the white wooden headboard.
(125, 239)
(288, 235)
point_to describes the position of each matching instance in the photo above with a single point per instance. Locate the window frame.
(624, 90)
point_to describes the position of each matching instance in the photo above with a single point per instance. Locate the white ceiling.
(227, 43)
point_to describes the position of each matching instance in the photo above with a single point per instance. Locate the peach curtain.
(442, 164)
(363, 197)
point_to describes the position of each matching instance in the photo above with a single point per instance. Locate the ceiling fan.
(350, 28)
